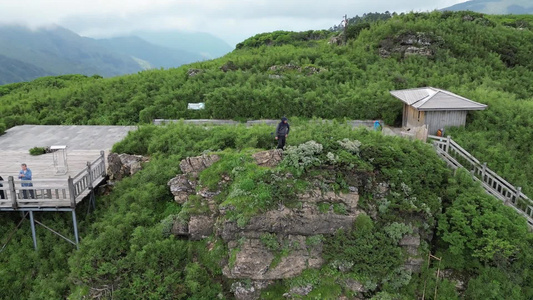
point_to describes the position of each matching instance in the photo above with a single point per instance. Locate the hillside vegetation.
(484, 58)
(128, 253)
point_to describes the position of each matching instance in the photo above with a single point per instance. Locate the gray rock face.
(268, 158)
(411, 243)
(193, 72)
(229, 66)
(255, 261)
(180, 228)
(300, 290)
(123, 165)
(200, 227)
(194, 165)
(181, 188)
(292, 226)
(306, 221)
(336, 40)
(250, 291)
(354, 285)
(409, 44)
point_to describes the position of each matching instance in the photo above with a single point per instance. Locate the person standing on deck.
(282, 132)
(2, 194)
(25, 174)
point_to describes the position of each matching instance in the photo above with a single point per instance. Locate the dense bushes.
(279, 38)
(127, 250)
(480, 235)
(349, 81)
(126, 245)
(478, 56)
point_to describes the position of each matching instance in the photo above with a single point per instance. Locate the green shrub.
(303, 156)
(37, 151)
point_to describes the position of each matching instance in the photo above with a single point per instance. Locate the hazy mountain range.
(495, 6)
(26, 54)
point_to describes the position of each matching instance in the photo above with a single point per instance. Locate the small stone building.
(435, 108)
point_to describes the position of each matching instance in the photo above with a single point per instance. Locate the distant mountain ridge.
(26, 54)
(157, 56)
(495, 6)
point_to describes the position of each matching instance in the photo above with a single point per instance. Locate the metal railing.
(51, 192)
(457, 157)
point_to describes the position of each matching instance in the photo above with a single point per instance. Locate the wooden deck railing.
(457, 157)
(52, 192)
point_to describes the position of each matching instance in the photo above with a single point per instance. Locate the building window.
(418, 116)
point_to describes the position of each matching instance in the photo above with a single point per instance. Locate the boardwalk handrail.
(457, 157)
(52, 192)
(85, 179)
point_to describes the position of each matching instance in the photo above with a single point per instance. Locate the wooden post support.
(12, 191)
(448, 142)
(483, 171)
(72, 192)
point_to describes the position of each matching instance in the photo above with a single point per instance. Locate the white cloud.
(232, 20)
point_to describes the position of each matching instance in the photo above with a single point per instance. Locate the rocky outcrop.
(123, 165)
(336, 40)
(249, 290)
(200, 227)
(181, 187)
(268, 158)
(283, 241)
(255, 261)
(411, 243)
(307, 70)
(408, 44)
(194, 165)
(194, 72)
(354, 285)
(306, 220)
(297, 292)
(291, 227)
(229, 66)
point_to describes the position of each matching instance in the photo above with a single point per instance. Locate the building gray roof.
(430, 99)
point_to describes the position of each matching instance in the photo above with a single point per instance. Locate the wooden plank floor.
(84, 144)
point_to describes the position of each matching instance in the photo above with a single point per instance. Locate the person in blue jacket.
(377, 125)
(25, 174)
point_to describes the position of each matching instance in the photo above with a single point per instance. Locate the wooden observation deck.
(50, 190)
(52, 194)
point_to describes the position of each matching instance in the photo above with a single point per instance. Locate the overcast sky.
(231, 20)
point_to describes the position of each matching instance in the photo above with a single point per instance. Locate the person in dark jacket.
(282, 131)
(2, 194)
